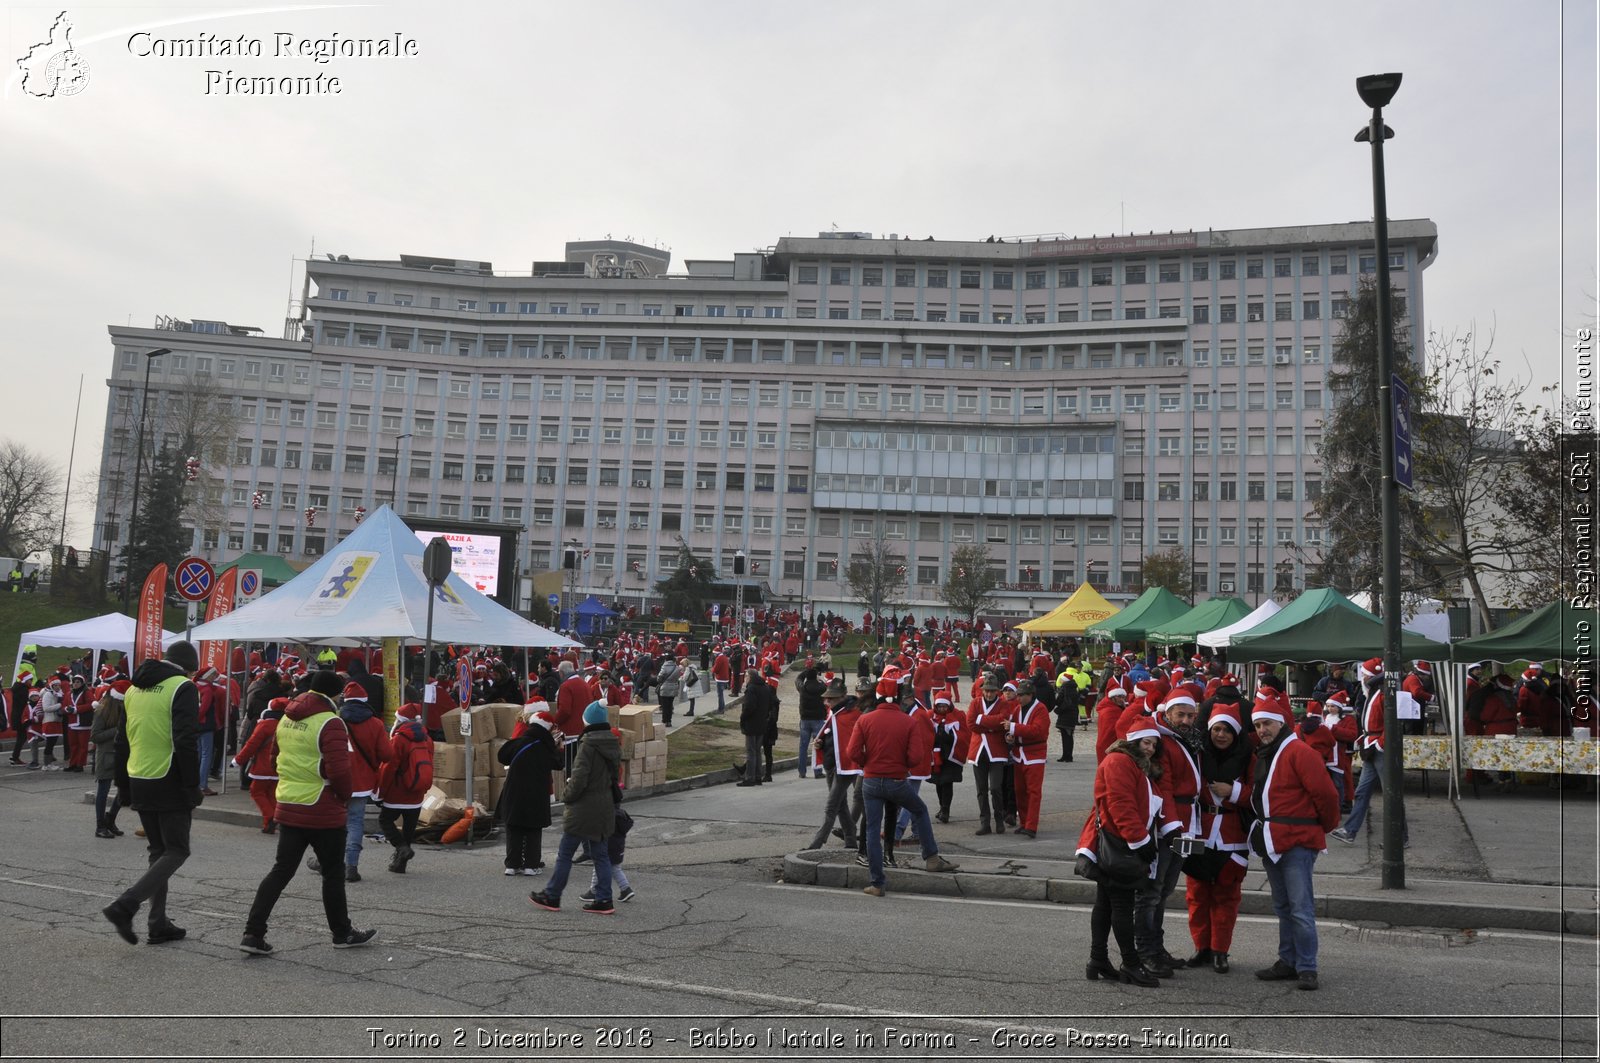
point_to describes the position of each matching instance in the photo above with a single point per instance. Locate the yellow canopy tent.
(1072, 617)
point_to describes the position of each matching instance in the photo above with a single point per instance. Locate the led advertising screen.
(473, 557)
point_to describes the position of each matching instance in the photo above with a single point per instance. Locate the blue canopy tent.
(594, 618)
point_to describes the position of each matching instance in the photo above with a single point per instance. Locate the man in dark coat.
(158, 775)
(813, 713)
(529, 758)
(759, 709)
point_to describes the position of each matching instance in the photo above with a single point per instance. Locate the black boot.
(983, 828)
(1135, 973)
(1219, 962)
(1201, 958)
(1101, 967)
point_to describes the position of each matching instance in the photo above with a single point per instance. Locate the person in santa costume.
(259, 759)
(1106, 715)
(1216, 875)
(1419, 684)
(950, 739)
(1028, 739)
(530, 757)
(834, 756)
(107, 725)
(1372, 746)
(1178, 756)
(1128, 805)
(79, 712)
(1537, 704)
(988, 720)
(1295, 806)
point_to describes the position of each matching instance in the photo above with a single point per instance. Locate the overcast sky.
(713, 127)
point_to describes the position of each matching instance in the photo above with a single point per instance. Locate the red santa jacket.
(1294, 800)
(1180, 781)
(1321, 739)
(950, 739)
(572, 697)
(1498, 715)
(1106, 715)
(1372, 722)
(410, 744)
(369, 749)
(925, 677)
(922, 761)
(834, 740)
(258, 756)
(1221, 822)
(721, 670)
(952, 666)
(1124, 803)
(1030, 734)
(987, 723)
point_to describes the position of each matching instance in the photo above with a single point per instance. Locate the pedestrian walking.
(158, 776)
(530, 756)
(104, 731)
(1122, 824)
(589, 800)
(403, 782)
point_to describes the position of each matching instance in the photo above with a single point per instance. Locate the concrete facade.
(1072, 404)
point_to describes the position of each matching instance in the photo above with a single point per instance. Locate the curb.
(817, 867)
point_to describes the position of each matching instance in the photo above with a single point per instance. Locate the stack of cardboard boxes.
(644, 746)
(492, 725)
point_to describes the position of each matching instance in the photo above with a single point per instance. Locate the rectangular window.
(1202, 314)
(1338, 265)
(1227, 269)
(1228, 313)
(1200, 271)
(1283, 310)
(1100, 276)
(1311, 309)
(1067, 277)
(1133, 274)
(1253, 269)
(1310, 265)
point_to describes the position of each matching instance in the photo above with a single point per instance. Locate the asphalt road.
(711, 956)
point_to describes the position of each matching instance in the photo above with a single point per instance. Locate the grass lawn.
(712, 745)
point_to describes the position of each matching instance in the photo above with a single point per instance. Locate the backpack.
(417, 771)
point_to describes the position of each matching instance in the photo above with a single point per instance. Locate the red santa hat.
(119, 689)
(1422, 666)
(409, 711)
(1133, 726)
(942, 698)
(1371, 668)
(1533, 670)
(1117, 691)
(1178, 698)
(542, 718)
(1337, 701)
(1223, 712)
(354, 692)
(1266, 709)
(107, 672)
(278, 705)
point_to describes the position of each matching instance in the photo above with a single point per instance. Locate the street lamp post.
(1255, 529)
(138, 467)
(394, 469)
(1376, 90)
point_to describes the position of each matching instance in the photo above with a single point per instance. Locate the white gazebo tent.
(1223, 637)
(113, 631)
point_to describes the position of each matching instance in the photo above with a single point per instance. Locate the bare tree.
(30, 500)
(1466, 443)
(1557, 450)
(205, 425)
(969, 587)
(877, 579)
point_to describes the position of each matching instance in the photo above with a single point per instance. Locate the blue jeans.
(905, 813)
(1370, 780)
(355, 823)
(598, 850)
(1293, 900)
(207, 739)
(899, 792)
(809, 729)
(722, 696)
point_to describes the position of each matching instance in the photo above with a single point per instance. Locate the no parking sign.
(249, 583)
(194, 578)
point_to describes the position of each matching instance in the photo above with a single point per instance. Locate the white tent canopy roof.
(1223, 636)
(369, 587)
(113, 631)
(1425, 616)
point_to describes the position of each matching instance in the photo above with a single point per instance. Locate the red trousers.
(1214, 908)
(265, 794)
(1029, 785)
(77, 747)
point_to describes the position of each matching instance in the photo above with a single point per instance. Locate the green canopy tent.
(275, 571)
(1152, 609)
(1207, 616)
(1324, 625)
(1557, 631)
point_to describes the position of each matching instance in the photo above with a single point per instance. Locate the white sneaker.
(532, 871)
(1343, 835)
(513, 871)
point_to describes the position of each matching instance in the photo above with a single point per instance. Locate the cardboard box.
(659, 732)
(505, 718)
(449, 762)
(613, 714)
(655, 748)
(483, 725)
(457, 788)
(497, 770)
(638, 720)
(655, 764)
(629, 744)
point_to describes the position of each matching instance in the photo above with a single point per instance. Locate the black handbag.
(1207, 864)
(1118, 863)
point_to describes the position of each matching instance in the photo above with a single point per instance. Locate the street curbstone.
(997, 887)
(799, 871)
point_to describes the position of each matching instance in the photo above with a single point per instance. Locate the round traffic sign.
(249, 583)
(194, 578)
(554, 600)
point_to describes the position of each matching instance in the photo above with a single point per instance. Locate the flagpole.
(72, 454)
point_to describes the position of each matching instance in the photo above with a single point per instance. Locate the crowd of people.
(1192, 775)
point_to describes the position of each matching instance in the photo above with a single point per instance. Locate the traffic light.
(569, 559)
(738, 563)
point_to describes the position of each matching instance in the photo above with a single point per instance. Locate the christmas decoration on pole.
(191, 470)
(311, 516)
(361, 511)
(257, 500)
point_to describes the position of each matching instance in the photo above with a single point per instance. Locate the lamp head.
(158, 352)
(1377, 90)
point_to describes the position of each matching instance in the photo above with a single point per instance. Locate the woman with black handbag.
(1117, 848)
(1216, 873)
